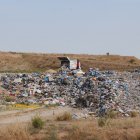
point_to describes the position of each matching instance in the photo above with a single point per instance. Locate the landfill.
(96, 91)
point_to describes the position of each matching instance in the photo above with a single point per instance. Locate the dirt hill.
(29, 62)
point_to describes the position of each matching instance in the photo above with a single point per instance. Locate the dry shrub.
(131, 61)
(133, 114)
(9, 99)
(112, 114)
(64, 117)
(37, 122)
(103, 121)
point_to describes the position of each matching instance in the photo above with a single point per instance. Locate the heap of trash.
(97, 91)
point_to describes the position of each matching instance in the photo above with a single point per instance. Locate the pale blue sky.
(71, 26)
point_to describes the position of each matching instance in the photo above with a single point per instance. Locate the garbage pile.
(97, 91)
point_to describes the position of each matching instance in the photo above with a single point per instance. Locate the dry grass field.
(115, 129)
(29, 62)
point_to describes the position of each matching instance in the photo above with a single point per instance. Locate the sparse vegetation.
(30, 62)
(64, 117)
(102, 121)
(132, 61)
(37, 122)
(8, 99)
(118, 129)
(112, 114)
(133, 114)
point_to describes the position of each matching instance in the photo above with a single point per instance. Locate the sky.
(71, 26)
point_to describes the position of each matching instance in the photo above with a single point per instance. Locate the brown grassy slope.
(27, 62)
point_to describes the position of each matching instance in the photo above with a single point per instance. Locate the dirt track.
(25, 116)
